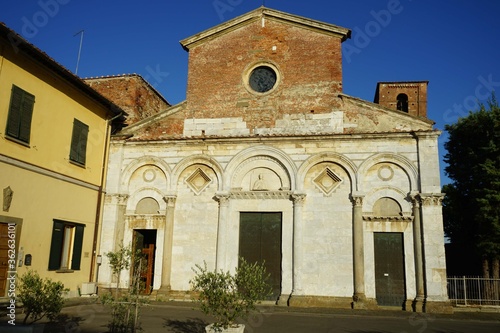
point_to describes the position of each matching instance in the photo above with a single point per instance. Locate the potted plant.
(40, 298)
(228, 297)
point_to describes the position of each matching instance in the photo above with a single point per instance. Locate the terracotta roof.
(119, 76)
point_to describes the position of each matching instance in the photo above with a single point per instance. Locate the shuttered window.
(79, 142)
(20, 114)
(66, 246)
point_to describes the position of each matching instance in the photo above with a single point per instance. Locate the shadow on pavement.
(190, 325)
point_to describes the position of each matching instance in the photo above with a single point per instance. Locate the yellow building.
(54, 134)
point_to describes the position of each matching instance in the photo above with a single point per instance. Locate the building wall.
(57, 104)
(136, 96)
(45, 184)
(218, 70)
(377, 166)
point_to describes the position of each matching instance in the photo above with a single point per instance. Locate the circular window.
(262, 79)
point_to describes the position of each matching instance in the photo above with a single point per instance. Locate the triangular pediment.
(264, 14)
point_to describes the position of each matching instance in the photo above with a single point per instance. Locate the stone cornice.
(263, 13)
(261, 195)
(387, 218)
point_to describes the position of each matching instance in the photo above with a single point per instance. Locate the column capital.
(116, 198)
(415, 198)
(431, 199)
(170, 200)
(298, 198)
(357, 198)
(222, 198)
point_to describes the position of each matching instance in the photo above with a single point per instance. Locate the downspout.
(99, 195)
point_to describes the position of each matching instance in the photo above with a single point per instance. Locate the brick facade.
(135, 95)
(416, 92)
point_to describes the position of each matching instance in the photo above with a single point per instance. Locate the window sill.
(65, 270)
(77, 164)
(22, 143)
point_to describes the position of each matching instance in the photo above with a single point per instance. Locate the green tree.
(472, 204)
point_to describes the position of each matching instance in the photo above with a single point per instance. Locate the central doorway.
(145, 240)
(260, 241)
(390, 284)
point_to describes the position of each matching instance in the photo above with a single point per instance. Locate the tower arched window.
(402, 102)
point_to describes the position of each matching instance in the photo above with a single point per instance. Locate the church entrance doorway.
(145, 241)
(390, 284)
(260, 241)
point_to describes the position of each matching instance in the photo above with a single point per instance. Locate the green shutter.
(20, 114)
(77, 248)
(26, 115)
(79, 142)
(14, 120)
(56, 246)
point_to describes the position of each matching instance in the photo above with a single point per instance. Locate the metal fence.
(472, 291)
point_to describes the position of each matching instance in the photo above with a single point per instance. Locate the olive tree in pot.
(228, 297)
(40, 298)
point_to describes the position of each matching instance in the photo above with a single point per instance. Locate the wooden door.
(4, 257)
(390, 286)
(260, 241)
(147, 272)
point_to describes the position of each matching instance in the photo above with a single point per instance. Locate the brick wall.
(416, 91)
(308, 62)
(132, 93)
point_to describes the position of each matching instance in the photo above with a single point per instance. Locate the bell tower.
(406, 96)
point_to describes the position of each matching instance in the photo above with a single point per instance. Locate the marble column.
(297, 253)
(419, 301)
(167, 244)
(359, 296)
(220, 260)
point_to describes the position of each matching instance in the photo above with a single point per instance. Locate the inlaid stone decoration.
(327, 181)
(198, 181)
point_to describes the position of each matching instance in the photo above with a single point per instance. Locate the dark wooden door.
(260, 241)
(145, 241)
(390, 286)
(4, 257)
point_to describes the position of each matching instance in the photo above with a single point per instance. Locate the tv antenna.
(79, 50)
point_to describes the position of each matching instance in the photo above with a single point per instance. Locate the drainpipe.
(99, 196)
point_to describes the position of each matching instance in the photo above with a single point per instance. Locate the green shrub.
(40, 297)
(228, 297)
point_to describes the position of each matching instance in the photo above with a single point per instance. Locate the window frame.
(20, 115)
(62, 248)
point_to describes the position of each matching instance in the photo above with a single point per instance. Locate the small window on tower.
(402, 102)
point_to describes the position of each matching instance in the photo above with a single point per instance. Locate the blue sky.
(452, 44)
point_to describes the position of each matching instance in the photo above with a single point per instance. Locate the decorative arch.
(401, 161)
(387, 192)
(197, 159)
(275, 160)
(336, 158)
(146, 192)
(140, 162)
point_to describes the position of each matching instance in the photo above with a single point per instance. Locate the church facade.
(268, 159)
